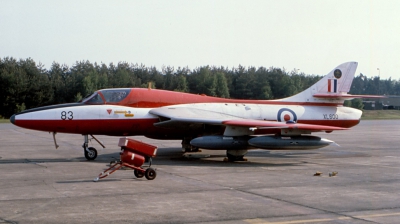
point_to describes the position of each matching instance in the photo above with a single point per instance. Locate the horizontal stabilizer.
(344, 96)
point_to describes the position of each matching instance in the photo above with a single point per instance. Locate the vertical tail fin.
(332, 88)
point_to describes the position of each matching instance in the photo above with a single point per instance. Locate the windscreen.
(115, 95)
(95, 98)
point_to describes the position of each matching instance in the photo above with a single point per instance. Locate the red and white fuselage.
(228, 123)
(119, 120)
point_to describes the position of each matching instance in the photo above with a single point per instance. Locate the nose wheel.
(90, 153)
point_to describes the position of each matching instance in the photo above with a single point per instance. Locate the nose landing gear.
(90, 152)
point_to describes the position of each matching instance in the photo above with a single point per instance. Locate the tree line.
(26, 84)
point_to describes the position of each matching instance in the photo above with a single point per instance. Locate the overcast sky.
(312, 36)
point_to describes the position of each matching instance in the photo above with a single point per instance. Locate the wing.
(183, 117)
(259, 124)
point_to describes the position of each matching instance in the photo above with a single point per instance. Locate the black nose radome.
(12, 119)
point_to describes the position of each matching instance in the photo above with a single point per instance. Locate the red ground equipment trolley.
(133, 155)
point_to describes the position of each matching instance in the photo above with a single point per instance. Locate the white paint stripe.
(261, 221)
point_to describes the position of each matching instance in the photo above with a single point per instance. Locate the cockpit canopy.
(106, 96)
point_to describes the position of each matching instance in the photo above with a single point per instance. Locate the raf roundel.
(337, 73)
(286, 114)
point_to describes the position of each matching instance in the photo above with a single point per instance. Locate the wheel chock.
(318, 173)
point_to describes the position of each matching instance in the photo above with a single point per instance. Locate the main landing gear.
(90, 152)
(235, 155)
(187, 147)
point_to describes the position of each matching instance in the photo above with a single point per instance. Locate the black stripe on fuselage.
(52, 107)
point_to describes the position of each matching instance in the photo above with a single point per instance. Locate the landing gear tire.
(90, 153)
(192, 149)
(187, 147)
(235, 158)
(138, 174)
(236, 155)
(150, 174)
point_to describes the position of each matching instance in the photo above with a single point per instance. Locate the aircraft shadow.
(174, 156)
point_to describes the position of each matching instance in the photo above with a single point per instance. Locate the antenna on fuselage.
(149, 85)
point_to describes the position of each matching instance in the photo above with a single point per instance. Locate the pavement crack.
(35, 163)
(33, 210)
(7, 221)
(302, 205)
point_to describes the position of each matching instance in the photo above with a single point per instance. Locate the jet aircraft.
(206, 122)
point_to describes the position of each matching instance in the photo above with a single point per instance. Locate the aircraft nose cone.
(12, 119)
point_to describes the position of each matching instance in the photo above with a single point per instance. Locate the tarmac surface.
(41, 184)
